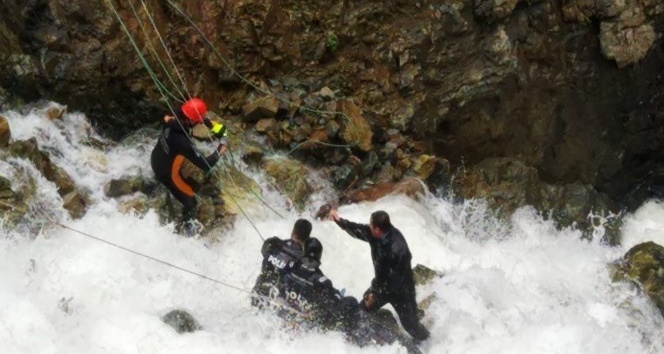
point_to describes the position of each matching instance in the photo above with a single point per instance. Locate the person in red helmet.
(174, 146)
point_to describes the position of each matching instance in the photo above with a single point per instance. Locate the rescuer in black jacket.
(393, 282)
(292, 282)
(309, 291)
(280, 257)
(175, 145)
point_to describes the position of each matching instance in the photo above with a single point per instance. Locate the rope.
(154, 51)
(168, 264)
(162, 89)
(251, 191)
(267, 92)
(163, 44)
(151, 258)
(281, 305)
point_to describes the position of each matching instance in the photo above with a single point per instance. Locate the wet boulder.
(12, 206)
(412, 187)
(29, 150)
(644, 264)
(423, 274)
(129, 185)
(582, 207)
(506, 183)
(222, 193)
(440, 177)
(5, 133)
(181, 321)
(138, 204)
(291, 178)
(344, 176)
(355, 130)
(424, 166)
(264, 107)
(253, 154)
(55, 112)
(75, 199)
(18, 191)
(75, 203)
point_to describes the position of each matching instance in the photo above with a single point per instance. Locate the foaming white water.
(529, 289)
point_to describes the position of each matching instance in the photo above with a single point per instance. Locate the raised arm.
(358, 231)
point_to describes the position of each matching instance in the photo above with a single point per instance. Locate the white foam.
(526, 289)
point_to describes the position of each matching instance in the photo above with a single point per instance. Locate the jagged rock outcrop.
(626, 32)
(18, 188)
(570, 88)
(411, 187)
(507, 184)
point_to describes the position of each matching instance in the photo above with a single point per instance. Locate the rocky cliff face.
(572, 88)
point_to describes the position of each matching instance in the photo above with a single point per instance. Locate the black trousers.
(406, 307)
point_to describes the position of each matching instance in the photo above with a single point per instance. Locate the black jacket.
(391, 259)
(279, 258)
(309, 291)
(175, 141)
(289, 278)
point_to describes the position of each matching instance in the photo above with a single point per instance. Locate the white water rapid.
(530, 289)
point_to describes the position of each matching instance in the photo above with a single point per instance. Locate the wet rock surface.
(644, 264)
(378, 91)
(181, 321)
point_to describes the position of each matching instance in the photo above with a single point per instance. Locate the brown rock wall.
(552, 83)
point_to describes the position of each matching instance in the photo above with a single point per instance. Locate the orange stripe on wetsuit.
(183, 186)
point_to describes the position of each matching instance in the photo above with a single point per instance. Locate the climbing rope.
(278, 304)
(163, 44)
(50, 220)
(156, 55)
(164, 91)
(267, 92)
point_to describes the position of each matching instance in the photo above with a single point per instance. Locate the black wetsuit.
(393, 281)
(173, 147)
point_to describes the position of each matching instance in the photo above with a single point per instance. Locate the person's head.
(195, 110)
(379, 223)
(301, 231)
(313, 249)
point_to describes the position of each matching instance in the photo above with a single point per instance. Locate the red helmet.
(194, 109)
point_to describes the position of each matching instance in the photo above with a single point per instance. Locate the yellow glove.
(218, 129)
